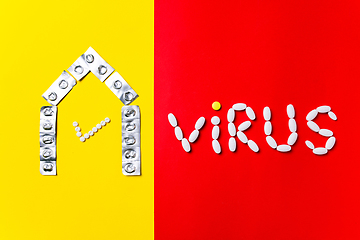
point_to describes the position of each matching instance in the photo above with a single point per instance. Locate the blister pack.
(117, 84)
(48, 117)
(97, 65)
(79, 69)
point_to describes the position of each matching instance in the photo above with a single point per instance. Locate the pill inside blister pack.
(48, 117)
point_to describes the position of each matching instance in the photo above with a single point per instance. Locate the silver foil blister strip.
(48, 118)
(79, 69)
(131, 152)
(97, 65)
(117, 84)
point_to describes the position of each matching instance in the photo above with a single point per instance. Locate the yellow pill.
(216, 106)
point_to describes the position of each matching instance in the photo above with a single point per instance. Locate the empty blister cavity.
(97, 65)
(122, 90)
(79, 69)
(48, 168)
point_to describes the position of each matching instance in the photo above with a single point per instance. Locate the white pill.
(215, 120)
(309, 144)
(77, 129)
(91, 133)
(250, 113)
(172, 120)
(313, 126)
(311, 115)
(283, 148)
(178, 133)
(199, 123)
(245, 125)
(292, 139)
(82, 139)
(215, 132)
(86, 135)
(242, 137)
(332, 116)
(330, 143)
(232, 129)
(94, 129)
(232, 144)
(231, 115)
(79, 134)
(268, 128)
(194, 136)
(75, 124)
(267, 113)
(325, 132)
(271, 141)
(290, 111)
(186, 145)
(107, 120)
(320, 151)
(216, 146)
(323, 109)
(239, 106)
(253, 146)
(292, 125)
(98, 126)
(103, 123)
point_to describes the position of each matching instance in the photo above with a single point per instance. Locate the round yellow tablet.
(216, 106)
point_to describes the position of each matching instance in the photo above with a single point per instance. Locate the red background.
(260, 53)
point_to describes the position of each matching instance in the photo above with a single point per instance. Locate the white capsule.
(320, 151)
(330, 143)
(107, 120)
(103, 123)
(309, 144)
(271, 141)
(216, 146)
(178, 133)
(290, 111)
(172, 120)
(232, 129)
(268, 128)
(311, 115)
(253, 146)
(283, 148)
(98, 126)
(86, 135)
(91, 133)
(325, 132)
(292, 139)
(332, 116)
(242, 137)
(75, 124)
(239, 106)
(232, 144)
(79, 134)
(323, 109)
(245, 125)
(186, 145)
(82, 139)
(94, 129)
(215, 132)
(267, 113)
(77, 129)
(292, 125)
(194, 136)
(215, 120)
(313, 126)
(250, 113)
(231, 115)
(199, 123)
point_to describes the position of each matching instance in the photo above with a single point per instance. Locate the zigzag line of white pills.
(90, 133)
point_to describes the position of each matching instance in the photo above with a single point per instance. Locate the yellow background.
(90, 198)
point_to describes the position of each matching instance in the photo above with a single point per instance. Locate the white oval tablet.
(77, 129)
(94, 129)
(232, 144)
(98, 126)
(75, 124)
(178, 133)
(323, 109)
(172, 120)
(232, 129)
(271, 141)
(215, 132)
(91, 133)
(239, 106)
(82, 139)
(313, 126)
(290, 111)
(242, 137)
(320, 151)
(311, 115)
(250, 113)
(107, 120)
(79, 134)
(292, 139)
(186, 145)
(231, 115)
(292, 125)
(216, 146)
(215, 120)
(330, 143)
(309, 144)
(283, 148)
(245, 125)
(199, 123)
(86, 135)
(253, 146)
(332, 116)
(194, 136)
(267, 113)
(268, 128)
(103, 123)
(325, 132)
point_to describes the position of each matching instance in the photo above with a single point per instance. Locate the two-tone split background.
(180, 56)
